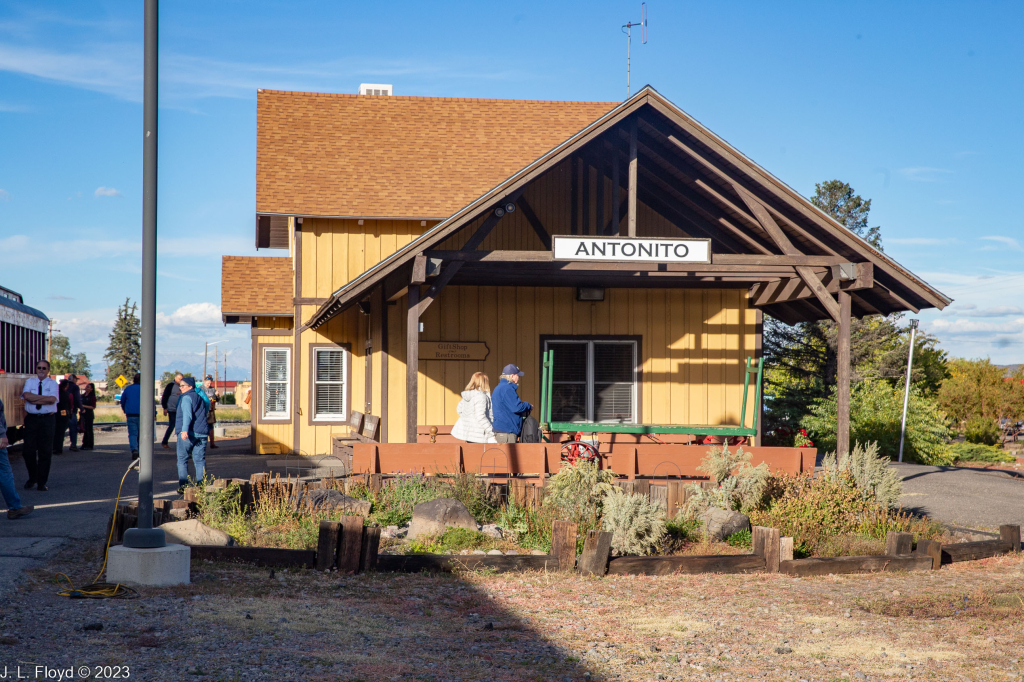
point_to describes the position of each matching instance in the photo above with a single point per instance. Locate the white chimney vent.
(376, 89)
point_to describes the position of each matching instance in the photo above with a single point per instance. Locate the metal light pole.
(906, 390)
(145, 535)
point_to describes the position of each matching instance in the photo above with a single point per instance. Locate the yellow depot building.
(429, 238)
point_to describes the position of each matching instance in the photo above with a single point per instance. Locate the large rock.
(328, 499)
(721, 523)
(431, 518)
(195, 532)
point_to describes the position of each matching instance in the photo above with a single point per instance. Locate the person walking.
(65, 406)
(192, 429)
(15, 510)
(169, 401)
(88, 415)
(476, 416)
(508, 408)
(40, 394)
(76, 391)
(131, 398)
(211, 394)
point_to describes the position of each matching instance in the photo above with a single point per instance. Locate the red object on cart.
(575, 451)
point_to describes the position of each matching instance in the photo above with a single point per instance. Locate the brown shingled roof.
(400, 157)
(250, 286)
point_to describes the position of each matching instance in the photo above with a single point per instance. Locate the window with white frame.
(276, 382)
(329, 379)
(594, 381)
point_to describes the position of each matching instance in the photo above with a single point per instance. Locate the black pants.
(59, 429)
(39, 446)
(171, 416)
(87, 417)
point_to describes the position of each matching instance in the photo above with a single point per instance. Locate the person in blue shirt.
(192, 431)
(509, 410)
(131, 398)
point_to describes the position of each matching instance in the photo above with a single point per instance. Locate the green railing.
(547, 384)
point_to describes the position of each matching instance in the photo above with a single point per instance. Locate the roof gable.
(256, 286)
(398, 157)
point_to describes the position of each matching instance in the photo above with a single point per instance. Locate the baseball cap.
(512, 369)
(209, 377)
(190, 381)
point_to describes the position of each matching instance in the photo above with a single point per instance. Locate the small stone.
(860, 676)
(511, 552)
(93, 626)
(8, 640)
(494, 552)
(479, 551)
(489, 626)
(783, 650)
(816, 631)
(248, 616)
(283, 620)
(537, 552)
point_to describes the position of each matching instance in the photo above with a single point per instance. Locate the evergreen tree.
(61, 359)
(801, 361)
(123, 353)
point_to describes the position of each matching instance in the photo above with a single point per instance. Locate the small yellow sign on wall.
(453, 350)
(120, 381)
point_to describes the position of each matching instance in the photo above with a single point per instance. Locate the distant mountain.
(1010, 369)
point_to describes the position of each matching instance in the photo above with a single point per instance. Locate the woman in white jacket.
(476, 418)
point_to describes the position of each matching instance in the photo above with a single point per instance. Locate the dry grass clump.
(981, 604)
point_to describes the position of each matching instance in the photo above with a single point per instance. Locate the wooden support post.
(350, 547)
(786, 549)
(1010, 534)
(563, 544)
(767, 544)
(599, 201)
(616, 196)
(574, 194)
(382, 305)
(368, 554)
(597, 550)
(930, 548)
(674, 501)
(843, 377)
(412, 363)
(327, 545)
(585, 213)
(898, 544)
(631, 214)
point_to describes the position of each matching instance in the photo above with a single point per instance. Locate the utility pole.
(215, 367)
(906, 390)
(206, 355)
(145, 535)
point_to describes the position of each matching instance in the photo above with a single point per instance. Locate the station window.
(329, 384)
(594, 381)
(276, 382)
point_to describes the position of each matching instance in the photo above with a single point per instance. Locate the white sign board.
(618, 249)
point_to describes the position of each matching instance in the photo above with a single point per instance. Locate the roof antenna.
(628, 30)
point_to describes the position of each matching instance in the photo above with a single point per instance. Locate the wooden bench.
(362, 429)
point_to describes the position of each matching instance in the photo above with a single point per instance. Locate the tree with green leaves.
(801, 361)
(61, 359)
(168, 377)
(123, 355)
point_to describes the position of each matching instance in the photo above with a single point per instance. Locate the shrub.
(740, 485)
(742, 538)
(975, 452)
(679, 532)
(982, 430)
(870, 472)
(473, 493)
(876, 413)
(455, 540)
(635, 522)
(227, 399)
(529, 528)
(577, 492)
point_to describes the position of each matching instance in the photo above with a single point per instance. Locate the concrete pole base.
(157, 567)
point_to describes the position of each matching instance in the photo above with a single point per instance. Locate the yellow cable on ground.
(98, 590)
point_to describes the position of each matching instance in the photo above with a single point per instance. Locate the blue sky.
(916, 104)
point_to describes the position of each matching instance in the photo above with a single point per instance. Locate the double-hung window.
(329, 378)
(594, 380)
(276, 382)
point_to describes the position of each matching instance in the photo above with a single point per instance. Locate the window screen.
(594, 381)
(329, 384)
(276, 373)
(569, 383)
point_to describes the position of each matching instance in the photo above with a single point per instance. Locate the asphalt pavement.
(981, 499)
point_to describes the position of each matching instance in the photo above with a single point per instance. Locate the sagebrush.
(870, 472)
(636, 523)
(740, 486)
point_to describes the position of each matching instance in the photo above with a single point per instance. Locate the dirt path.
(239, 623)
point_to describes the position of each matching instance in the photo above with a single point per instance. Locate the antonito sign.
(643, 250)
(453, 350)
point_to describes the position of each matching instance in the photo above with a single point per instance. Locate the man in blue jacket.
(131, 399)
(192, 431)
(508, 408)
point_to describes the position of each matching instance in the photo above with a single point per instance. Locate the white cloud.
(23, 248)
(960, 327)
(920, 241)
(972, 310)
(191, 315)
(1007, 242)
(925, 174)
(5, 195)
(106, 192)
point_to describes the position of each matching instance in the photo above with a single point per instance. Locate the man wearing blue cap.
(509, 410)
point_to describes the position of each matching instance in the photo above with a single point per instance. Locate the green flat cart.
(741, 429)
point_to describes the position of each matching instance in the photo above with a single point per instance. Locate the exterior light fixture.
(499, 211)
(510, 207)
(589, 293)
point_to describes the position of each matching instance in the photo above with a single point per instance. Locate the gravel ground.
(239, 623)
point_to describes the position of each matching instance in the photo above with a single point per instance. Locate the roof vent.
(376, 89)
